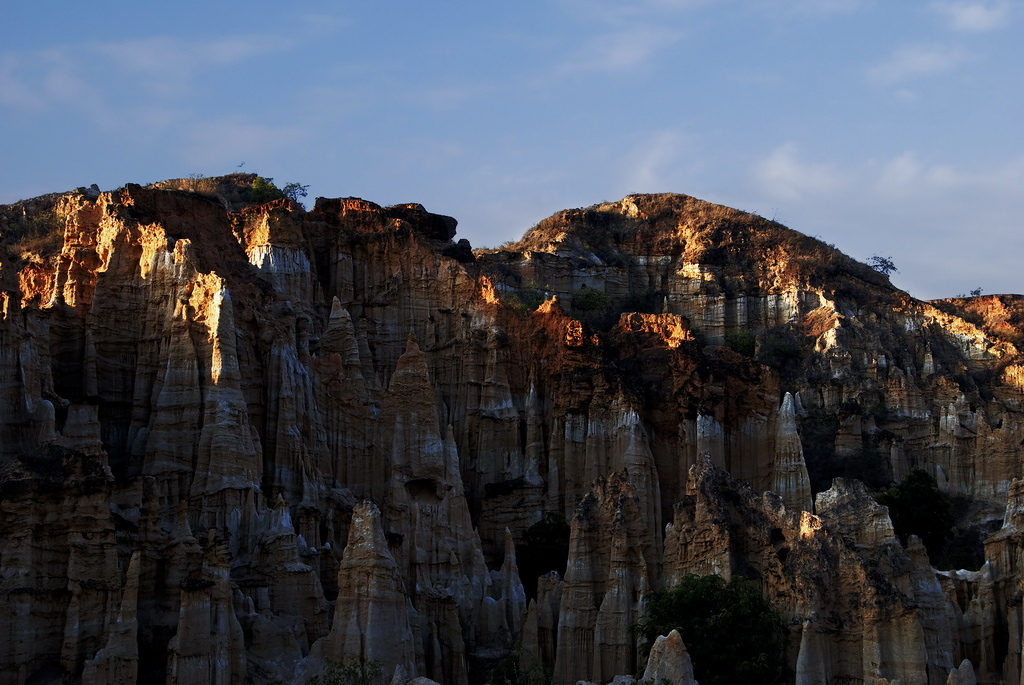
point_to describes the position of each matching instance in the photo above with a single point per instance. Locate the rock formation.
(196, 390)
(669, 661)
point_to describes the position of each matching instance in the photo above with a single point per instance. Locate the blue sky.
(890, 128)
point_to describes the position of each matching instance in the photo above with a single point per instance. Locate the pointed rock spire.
(789, 475)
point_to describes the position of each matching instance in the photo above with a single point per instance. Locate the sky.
(885, 128)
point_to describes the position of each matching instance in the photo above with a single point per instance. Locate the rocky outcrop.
(612, 563)
(196, 390)
(789, 475)
(374, 615)
(857, 605)
(669, 661)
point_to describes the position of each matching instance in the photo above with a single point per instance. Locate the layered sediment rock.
(669, 661)
(374, 614)
(612, 563)
(195, 391)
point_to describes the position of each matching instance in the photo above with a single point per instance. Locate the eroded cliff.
(237, 439)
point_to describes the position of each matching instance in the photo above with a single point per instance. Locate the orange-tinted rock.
(176, 360)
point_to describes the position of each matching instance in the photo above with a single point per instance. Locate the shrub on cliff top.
(264, 190)
(40, 232)
(732, 633)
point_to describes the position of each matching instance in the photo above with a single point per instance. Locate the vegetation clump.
(39, 232)
(742, 341)
(918, 507)
(883, 265)
(517, 669)
(732, 633)
(264, 190)
(545, 548)
(526, 299)
(349, 673)
(590, 300)
(592, 306)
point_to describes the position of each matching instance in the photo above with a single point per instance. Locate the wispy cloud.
(653, 165)
(166, 65)
(810, 7)
(617, 12)
(160, 66)
(919, 211)
(975, 16)
(622, 50)
(46, 79)
(912, 62)
(14, 89)
(221, 141)
(783, 175)
(161, 54)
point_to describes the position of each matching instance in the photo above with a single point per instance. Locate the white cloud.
(948, 227)
(618, 12)
(165, 66)
(216, 143)
(653, 165)
(447, 97)
(83, 76)
(161, 54)
(14, 91)
(629, 48)
(783, 175)
(975, 16)
(910, 62)
(810, 7)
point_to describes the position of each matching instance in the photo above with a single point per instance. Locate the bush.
(781, 350)
(526, 299)
(545, 548)
(741, 341)
(352, 673)
(41, 232)
(918, 507)
(647, 302)
(515, 669)
(590, 300)
(732, 633)
(264, 190)
(592, 307)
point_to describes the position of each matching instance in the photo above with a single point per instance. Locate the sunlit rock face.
(237, 438)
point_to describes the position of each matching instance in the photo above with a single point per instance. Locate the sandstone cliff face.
(197, 391)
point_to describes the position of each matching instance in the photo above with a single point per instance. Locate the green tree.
(732, 633)
(264, 190)
(883, 265)
(295, 191)
(918, 507)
